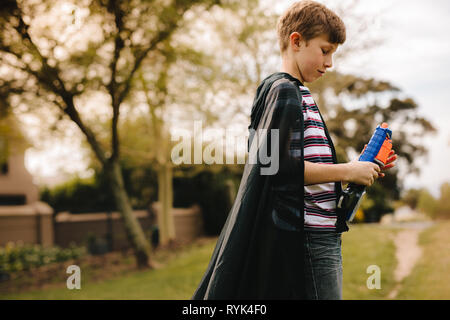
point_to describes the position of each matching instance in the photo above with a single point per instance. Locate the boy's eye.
(324, 52)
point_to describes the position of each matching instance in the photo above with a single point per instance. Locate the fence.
(34, 223)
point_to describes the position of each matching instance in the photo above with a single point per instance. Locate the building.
(22, 216)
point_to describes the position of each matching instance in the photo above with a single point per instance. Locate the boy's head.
(308, 34)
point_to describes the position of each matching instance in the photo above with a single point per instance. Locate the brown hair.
(310, 19)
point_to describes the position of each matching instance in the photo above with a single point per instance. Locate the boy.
(282, 238)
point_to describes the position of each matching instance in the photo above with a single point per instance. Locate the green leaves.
(18, 257)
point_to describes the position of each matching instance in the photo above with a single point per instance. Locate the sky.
(414, 56)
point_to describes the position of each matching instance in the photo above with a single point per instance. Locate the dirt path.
(407, 253)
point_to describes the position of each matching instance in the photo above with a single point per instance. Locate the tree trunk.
(133, 229)
(165, 196)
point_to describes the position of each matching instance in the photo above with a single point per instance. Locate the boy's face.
(312, 59)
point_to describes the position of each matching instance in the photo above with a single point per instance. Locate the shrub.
(18, 257)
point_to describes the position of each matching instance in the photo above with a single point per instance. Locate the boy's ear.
(295, 40)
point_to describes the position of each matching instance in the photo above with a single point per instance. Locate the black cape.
(260, 251)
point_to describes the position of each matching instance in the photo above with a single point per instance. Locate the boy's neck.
(289, 67)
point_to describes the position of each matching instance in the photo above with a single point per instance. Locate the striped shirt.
(320, 199)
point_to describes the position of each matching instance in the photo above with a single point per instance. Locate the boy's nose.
(329, 62)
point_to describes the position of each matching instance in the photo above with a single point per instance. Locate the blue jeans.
(323, 266)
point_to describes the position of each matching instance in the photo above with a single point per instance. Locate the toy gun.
(377, 151)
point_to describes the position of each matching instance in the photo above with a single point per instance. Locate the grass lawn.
(177, 278)
(430, 279)
(363, 246)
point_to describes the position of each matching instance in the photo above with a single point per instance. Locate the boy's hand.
(390, 163)
(362, 172)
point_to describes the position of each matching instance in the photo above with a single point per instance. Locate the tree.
(171, 103)
(426, 203)
(97, 47)
(423, 200)
(411, 198)
(443, 204)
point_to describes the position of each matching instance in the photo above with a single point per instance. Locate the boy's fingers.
(388, 166)
(390, 163)
(390, 159)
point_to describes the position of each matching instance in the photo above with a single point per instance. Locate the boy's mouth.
(321, 72)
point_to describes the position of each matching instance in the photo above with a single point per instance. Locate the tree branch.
(49, 77)
(139, 57)
(114, 6)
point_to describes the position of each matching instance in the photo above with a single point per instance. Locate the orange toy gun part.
(385, 150)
